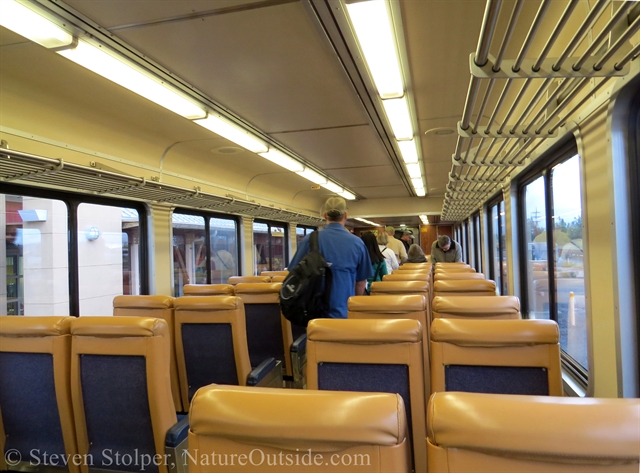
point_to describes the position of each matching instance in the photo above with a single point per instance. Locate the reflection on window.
(108, 256)
(270, 249)
(498, 269)
(34, 256)
(224, 250)
(536, 237)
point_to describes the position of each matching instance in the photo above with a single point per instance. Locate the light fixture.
(408, 151)
(92, 233)
(372, 25)
(364, 220)
(425, 219)
(33, 25)
(397, 111)
(333, 187)
(130, 76)
(347, 195)
(420, 192)
(281, 159)
(229, 130)
(414, 171)
(312, 176)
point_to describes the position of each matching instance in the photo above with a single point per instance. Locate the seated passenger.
(416, 255)
(445, 250)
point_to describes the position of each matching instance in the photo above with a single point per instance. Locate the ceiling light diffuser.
(32, 25)
(397, 111)
(408, 151)
(281, 159)
(414, 171)
(229, 130)
(372, 25)
(332, 187)
(312, 176)
(347, 195)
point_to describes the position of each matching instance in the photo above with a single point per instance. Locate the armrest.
(300, 345)
(261, 371)
(177, 433)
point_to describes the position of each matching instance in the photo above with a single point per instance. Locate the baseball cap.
(389, 228)
(335, 206)
(407, 232)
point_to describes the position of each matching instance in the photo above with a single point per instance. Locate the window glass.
(477, 243)
(34, 256)
(108, 240)
(496, 273)
(270, 249)
(224, 249)
(536, 238)
(568, 258)
(189, 251)
(504, 275)
(278, 261)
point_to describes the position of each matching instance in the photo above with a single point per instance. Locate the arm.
(394, 261)
(360, 286)
(403, 253)
(458, 253)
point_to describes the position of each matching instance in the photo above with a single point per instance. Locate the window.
(301, 232)
(465, 241)
(498, 270)
(552, 251)
(205, 249)
(67, 254)
(477, 242)
(270, 249)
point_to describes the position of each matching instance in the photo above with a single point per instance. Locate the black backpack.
(306, 291)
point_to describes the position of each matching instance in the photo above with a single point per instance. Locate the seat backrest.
(496, 356)
(268, 332)
(153, 306)
(274, 273)
(121, 389)
(488, 432)
(445, 275)
(407, 276)
(278, 278)
(374, 355)
(414, 267)
(399, 287)
(211, 342)
(457, 264)
(474, 307)
(395, 306)
(35, 398)
(464, 287)
(207, 290)
(233, 280)
(297, 431)
(455, 269)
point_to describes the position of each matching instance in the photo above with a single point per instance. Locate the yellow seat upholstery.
(233, 280)
(496, 356)
(296, 431)
(399, 287)
(445, 275)
(35, 402)
(457, 264)
(159, 307)
(414, 267)
(207, 290)
(374, 355)
(397, 306)
(278, 278)
(471, 432)
(121, 388)
(473, 307)
(274, 273)
(454, 269)
(407, 276)
(464, 287)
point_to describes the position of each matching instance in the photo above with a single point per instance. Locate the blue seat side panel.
(497, 379)
(264, 333)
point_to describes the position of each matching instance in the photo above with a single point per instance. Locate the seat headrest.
(115, 327)
(532, 425)
(207, 289)
(405, 276)
(472, 305)
(494, 332)
(28, 326)
(465, 285)
(258, 288)
(364, 331)
(142, 302)
(291, 418)
(208, 303)
(388, 303)
(445, 275)
(452, 264)
(399, 287)
(241, 279)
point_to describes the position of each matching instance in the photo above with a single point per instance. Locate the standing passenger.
(378, 263)
(345, 254)
(389, 255)
(445, 250)
(407, 239)
(396, 245)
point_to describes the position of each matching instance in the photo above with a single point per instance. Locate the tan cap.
(389, 229)
(335, 206)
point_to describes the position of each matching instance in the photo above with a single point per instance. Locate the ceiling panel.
(368, 176)
(381, 192)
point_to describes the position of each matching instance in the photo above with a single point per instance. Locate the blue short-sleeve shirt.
(349, 261)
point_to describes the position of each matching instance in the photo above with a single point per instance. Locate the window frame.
(477, 241)
(633, 160)
(73, 201)
(495, 201)
(285, 227)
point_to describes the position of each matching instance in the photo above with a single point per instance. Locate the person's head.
(444, 242)
(414, 252)
(407, 236)
(390, 230)
(334, 210)
(383, 238)
(371, 243)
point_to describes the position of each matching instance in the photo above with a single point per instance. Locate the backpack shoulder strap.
(313, 242)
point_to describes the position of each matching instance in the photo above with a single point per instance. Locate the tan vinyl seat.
(159, 307)
(278, 278)
(35, 355)
(397, 306)
(271, 274)
(407, 276)
(248, 426)
(471, 432)
(375, 355)
(414, 267)
(447, 275)
(121, 388)
(464, 287)
(474, 307)
(457, 264)
(234, 280)
(455, 269)
(496, 356)
(207, 290)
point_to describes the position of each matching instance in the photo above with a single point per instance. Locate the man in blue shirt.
(344, 253)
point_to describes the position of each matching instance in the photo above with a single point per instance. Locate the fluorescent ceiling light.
(26, 22)
(417, 183)
(414, 171)
(373, 28)
(409, 151)
(420, 192)
(424, 219)
(333, 187)
(364, 220)
(283, 160)
(347, 195)
(312, 176)
(397, 111)
(128, 75)
(229, 130)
